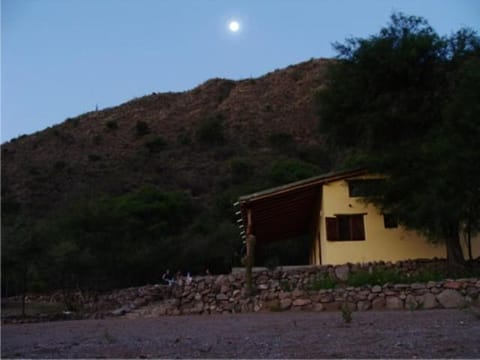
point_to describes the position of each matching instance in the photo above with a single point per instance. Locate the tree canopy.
(405, 103)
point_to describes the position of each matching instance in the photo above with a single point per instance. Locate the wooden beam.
(249, 221)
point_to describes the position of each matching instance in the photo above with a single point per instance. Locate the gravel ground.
(371, 334)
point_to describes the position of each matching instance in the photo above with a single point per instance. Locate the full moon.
(234, 26)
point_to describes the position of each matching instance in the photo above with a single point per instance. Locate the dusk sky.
(62, 58)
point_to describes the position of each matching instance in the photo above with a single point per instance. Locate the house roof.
(287, 211)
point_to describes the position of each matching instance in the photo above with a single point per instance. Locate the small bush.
(282, 142)
(272, 263)
(211, 131)
(73, 122)
(426, 275)
(274, 306)
(111, 125)
(97, 139)
(142, 128)
(321, 282)
(224, 152)
(94, 157)
(315, 154)
(155, 144)
(285, 171)
(19, 137)
(346, 313)
(59, 165)
(184, 139)
(286, 286)
(375, 277)
(241, 169)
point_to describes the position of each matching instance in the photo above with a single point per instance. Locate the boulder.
(139, 302)
(364, 305)
(332, 306)
(297, 293)
(159, 310)
(301, 302)
(326, 298)
(221, 297)
(342, 272)
(393, 303)
(411, 302)
(285, 304)
(473, 292)
(197, 308)
(121, 311)
(417, 286)
(378, 303)
(452, 285)
(450, 298)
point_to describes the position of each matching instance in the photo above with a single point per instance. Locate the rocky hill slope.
(158, 139)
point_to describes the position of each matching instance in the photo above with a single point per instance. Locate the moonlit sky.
(62, 58)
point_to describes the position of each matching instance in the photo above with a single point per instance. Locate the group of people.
(169, 279)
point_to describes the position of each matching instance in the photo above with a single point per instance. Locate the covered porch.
(287, 212)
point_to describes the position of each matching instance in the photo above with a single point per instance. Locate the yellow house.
(343, 228)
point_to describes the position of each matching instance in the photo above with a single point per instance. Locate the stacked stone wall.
(285, 290)
(291, 289)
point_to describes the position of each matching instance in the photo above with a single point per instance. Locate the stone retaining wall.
(282, 290)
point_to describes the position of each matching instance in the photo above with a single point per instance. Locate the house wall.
(381, 244)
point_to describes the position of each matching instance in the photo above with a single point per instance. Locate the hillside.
(104, 151)
(215, 142)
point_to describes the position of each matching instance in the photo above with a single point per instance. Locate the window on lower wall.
(345, 228)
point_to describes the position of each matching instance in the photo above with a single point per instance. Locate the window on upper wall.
(365, 187)
(345, 228)
(390, 221)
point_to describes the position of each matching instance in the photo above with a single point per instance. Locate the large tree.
(405, 103)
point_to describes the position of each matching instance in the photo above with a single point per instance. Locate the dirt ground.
(371, 334)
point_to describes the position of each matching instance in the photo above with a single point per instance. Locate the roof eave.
(316, 180)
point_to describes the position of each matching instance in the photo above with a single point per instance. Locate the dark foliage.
(142, 128)
(211, 131)
(405, 103)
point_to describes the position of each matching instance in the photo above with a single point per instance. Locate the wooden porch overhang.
(286, 211)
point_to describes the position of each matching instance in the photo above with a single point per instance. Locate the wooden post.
(249, 258)
(249, 262)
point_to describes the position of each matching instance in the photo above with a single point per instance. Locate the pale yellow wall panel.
(380, 244)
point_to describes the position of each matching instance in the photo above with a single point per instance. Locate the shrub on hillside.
(290, 170)
(141, 128)
(97, 139)
(59, 165)
(94, 157)
(211, 131)
(155, 144)
(111, 125)
(282, 142)
(241, 169)
(316, 154)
